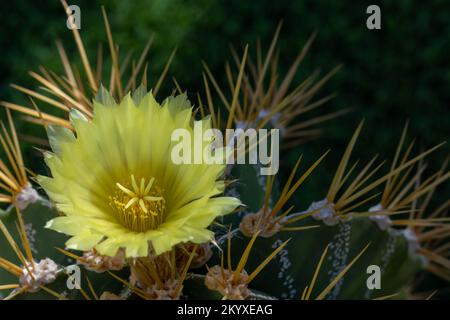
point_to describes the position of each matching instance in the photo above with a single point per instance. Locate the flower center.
(138, 206)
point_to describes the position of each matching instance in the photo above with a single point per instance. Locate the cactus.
(263, 249)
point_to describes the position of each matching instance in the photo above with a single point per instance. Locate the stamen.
(150, 198)
(127, 191)
(134, 184)
(132, 200)
(142, 204)
(149, 186)
(142, 185)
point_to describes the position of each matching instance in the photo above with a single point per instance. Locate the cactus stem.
(333, 283)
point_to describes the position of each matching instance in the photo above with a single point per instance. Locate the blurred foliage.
(390, 75)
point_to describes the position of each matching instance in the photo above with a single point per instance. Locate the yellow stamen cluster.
(138, 207)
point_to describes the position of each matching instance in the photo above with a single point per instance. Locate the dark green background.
(390, 75)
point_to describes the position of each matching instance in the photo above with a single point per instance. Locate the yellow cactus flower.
(117, 187)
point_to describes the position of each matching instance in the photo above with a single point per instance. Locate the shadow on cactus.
(116, 218)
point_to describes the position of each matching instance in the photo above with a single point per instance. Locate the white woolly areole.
(242, 125)
(411, 237)
(44, 272)
(326, 214)
(383, 221)
(274, 120)
(414, 245)
(25, 197)
(98, 263)
(262, 114)
(376, 208)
